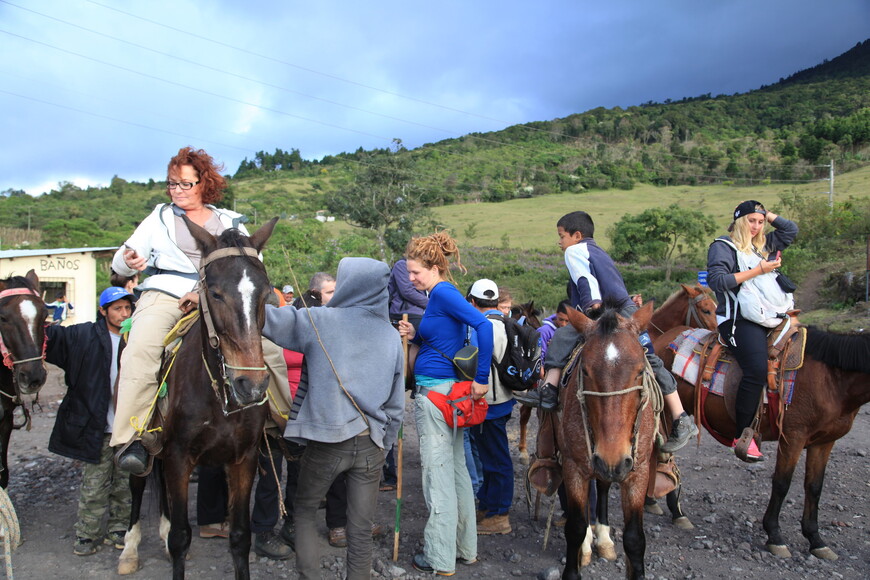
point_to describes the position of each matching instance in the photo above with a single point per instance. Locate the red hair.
(212, 183)
(435, 250)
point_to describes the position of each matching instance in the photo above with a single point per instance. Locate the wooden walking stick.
(399, 462)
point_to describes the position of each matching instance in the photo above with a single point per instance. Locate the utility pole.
(831, 190)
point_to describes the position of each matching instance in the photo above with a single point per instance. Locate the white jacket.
(155, 238)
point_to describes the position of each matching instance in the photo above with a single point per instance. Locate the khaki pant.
(156, 313)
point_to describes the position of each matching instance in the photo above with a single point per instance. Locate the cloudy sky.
(95, 88)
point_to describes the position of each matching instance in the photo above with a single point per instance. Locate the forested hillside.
(785, 133)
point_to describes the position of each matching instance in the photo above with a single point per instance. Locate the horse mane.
(606, 317)
(233, 237)
(672, 298)
(18, 282)
(849, 352)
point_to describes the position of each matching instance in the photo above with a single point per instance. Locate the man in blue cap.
(89, 354)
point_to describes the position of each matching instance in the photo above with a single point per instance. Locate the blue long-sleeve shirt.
(444, 328)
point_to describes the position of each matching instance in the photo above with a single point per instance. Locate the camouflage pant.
(104, 487)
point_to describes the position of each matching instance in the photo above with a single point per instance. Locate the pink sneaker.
(753, 453)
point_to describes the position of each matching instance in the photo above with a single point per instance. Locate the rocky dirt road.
(723, 497)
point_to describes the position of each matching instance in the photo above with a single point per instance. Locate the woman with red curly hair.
(163, 248)
(450, 535)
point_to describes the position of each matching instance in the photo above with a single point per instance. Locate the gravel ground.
(724, 498)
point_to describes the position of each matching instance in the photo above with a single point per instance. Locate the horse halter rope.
(214, 339)
(649, 391)
(8, 360)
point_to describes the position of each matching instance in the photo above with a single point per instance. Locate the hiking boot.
(288, 534)
(378, 530)
(221, 530)
(546, 397)
(683, 430)
(84, 547)
(421, 565)
(494, 525)
(746, 449)
(268, 544)
(134, 459)
(338, 537)
(480, 515)
(115, 538)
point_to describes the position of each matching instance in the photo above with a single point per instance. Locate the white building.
(68, 271)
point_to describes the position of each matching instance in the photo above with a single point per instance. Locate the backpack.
(520, 367)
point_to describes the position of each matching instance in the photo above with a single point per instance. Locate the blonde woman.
(746, 340)
(450, 535)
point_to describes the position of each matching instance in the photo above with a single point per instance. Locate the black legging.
(751, 355)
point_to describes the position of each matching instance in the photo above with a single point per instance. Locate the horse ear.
(206, 242)
(579, 321)
(259, 238)
(33, 278)
(640, 319)
(692, 291)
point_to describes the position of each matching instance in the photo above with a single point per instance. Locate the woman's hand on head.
(134, 261)
(478, 391)
(406, 330)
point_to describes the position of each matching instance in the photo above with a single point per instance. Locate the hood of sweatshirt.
(362, 283)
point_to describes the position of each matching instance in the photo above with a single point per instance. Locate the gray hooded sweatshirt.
(355, 331)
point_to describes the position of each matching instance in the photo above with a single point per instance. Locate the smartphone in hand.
(774, 257)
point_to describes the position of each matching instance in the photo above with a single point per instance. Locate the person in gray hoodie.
(353, 408)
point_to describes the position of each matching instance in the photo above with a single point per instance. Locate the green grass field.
(531, 223)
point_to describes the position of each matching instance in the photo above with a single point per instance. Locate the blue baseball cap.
(113, 293)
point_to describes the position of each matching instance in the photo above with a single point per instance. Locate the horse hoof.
(824, 553)
(607, 552)
(524, 457)
(585, 559)
(779, 551)
(654, 509)
(128, 566)
(684, 523)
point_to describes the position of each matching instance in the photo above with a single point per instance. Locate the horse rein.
(214, 339)
(648, 392)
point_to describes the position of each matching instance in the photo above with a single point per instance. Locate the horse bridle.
(649, 392)
(8, 359)
(692, 311)
(214, 339)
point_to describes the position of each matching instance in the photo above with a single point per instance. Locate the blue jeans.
(361, 460)
(497, 492)
(472, 462)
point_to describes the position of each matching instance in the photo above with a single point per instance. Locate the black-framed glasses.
(182, 185)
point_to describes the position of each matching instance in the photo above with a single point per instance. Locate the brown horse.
(606, 431)
(216, 388)
(692, 306)
(830, 388)
(22, 342)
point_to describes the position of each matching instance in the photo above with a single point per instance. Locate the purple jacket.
(404, 298)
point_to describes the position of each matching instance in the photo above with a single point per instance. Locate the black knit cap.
(748, 207)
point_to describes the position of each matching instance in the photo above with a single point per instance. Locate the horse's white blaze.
(28, 313)
(611, 353)
(246, 289)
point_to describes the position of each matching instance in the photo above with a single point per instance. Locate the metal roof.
(52, 252)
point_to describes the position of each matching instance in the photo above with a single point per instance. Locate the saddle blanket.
(687, 364)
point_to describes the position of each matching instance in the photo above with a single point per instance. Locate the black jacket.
(84, 352)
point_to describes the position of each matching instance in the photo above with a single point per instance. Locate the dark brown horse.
(22, 342)
(527, 314)
(216, 388)
(830, 388)
(606, 431)
(689, 306)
